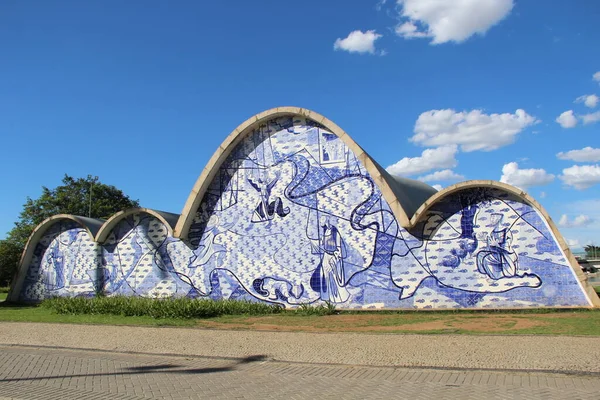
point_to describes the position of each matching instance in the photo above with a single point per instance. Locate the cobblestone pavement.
(549, 353)
(28, 372)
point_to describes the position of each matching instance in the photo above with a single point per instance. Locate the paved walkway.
(253, 365)
(44, 373)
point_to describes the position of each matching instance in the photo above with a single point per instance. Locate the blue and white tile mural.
(292, 217)
(132, 263)
(65, 263)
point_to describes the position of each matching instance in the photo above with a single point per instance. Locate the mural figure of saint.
(497, 259)
(266, 209)
(55, 278)
(329, 277)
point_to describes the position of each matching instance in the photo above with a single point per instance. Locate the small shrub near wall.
(183, 308)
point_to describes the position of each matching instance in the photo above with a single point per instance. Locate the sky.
(141, 93)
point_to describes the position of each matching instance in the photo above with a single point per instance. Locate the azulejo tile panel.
(292, 217)
(64, 263)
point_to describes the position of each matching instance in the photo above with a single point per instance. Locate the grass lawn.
(548, 322)
(29, 313)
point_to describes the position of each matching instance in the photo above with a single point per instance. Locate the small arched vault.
(44, 248)
(290, 210)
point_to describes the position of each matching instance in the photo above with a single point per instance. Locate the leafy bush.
(181, 308)
(321, 309)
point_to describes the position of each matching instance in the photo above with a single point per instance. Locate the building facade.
(291, 211)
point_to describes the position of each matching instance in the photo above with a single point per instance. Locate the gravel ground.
(450, 351)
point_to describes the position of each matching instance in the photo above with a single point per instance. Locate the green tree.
(10, 254)
(72, 197)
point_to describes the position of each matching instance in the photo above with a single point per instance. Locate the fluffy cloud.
(472, 130)
(567, 119)
(590, 118)
(590, 100)
(410, 30)
(573, 243)
(443, 176)
(591, 232)
(450, 21)
(437, 187)
(358, 42)
(442, 157)
(577, 222)
(581, 176)
(587, 154)
(524, 178)
(596, 76)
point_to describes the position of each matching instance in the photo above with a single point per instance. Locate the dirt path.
(383, 323)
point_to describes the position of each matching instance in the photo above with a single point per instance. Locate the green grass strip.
(178, 308)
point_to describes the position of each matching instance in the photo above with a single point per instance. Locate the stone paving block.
(34, 373)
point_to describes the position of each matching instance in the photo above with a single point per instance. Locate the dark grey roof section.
(93, 224)
(410, 193)
(169, 217)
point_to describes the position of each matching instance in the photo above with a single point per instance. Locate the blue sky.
(141, 93)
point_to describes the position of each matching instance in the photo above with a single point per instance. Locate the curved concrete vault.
(290, 210)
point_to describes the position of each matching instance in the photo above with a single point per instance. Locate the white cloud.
(410, 30)
(472, 130)
(573, 243)
(596, 76)
(577, 222)
(443, 175)
(524, 178)
(587, 154)
(581, 176)
(590, 100)
(567, 119)
(437, 187)
(358, 42)
(590, 118)
(584, 234)
(439, 158)
(450, 20)
(542, 195)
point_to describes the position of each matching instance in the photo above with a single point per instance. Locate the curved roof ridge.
(411, 193)
(92, 224)
(167, 218)
(235, 137)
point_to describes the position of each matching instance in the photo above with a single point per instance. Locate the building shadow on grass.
(11, 304)
(151, 369)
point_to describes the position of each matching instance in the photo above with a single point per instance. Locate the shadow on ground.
(150, 369)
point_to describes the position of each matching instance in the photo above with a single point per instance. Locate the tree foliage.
(72, 197)
(10, 254)
(592, 251)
